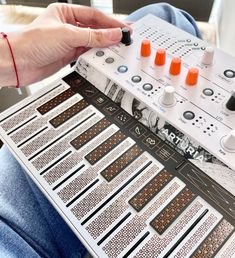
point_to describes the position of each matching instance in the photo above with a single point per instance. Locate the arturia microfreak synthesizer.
(135, 147)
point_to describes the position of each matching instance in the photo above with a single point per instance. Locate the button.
(145, 48)
(228, 141)
(101, 99)
(175, 67)
(160, 57)
(208, 56)
(136, 78)
(100, 53)
(90, 91)
(189, 115)
(151, 141)
(111, 108)
(138, 130)
(208, 92)
(230, 105)
(123, 118)
(126, 36)
(147, 86)
(109, 60)
(229, 73)
(122, 69)
(168, 97)
(192, 76)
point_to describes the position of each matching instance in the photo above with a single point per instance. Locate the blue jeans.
(29, 225)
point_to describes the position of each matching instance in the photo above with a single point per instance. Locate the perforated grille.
(51, 134)
(229, 250)
(162, 221)
(68, 113)
(61, 169)
(197, 236)
(46, 107)
(135, 226)
(147, 193)
(85, 178)
(99, 193)
(100, 151)
(39, 123)
(57, 149)
(121, 163)
(85, 137)
(118, 207)
(23, 115)
(214, 241)
(156, 245)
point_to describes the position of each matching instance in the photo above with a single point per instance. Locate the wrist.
(9, 75)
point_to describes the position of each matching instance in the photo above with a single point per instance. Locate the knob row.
(175, 67)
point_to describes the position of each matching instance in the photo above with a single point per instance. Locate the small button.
(147, 86)
(100, 53)
(136, 78)
(122, 69)
(138, 130)
(208, 92)
(229, 73)
(189, 115)
(109, 60)
(123, 118)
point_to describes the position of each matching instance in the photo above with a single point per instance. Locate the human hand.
(58, 37)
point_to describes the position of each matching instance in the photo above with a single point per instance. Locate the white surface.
(223, 17)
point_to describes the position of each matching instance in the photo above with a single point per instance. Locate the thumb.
(98, 37)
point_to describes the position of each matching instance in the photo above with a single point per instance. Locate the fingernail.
(114, 34)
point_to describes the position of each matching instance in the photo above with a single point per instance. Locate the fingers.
(87, 37)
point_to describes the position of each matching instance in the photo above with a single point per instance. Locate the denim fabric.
(167, 12)
(29, 225)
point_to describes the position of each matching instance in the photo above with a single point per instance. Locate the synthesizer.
(135, 146)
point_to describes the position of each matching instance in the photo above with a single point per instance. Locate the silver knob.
(228, 141)
(168, 97)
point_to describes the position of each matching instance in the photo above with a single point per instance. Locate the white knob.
(228, 141)
(168, 97)
(208, 56)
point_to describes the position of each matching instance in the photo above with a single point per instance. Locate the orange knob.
(160, 57)
(175, 67)
(192, 76)
(145, 48)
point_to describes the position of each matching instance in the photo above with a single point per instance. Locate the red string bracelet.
(4, 35)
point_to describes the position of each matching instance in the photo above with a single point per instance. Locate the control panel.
(175, 75)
